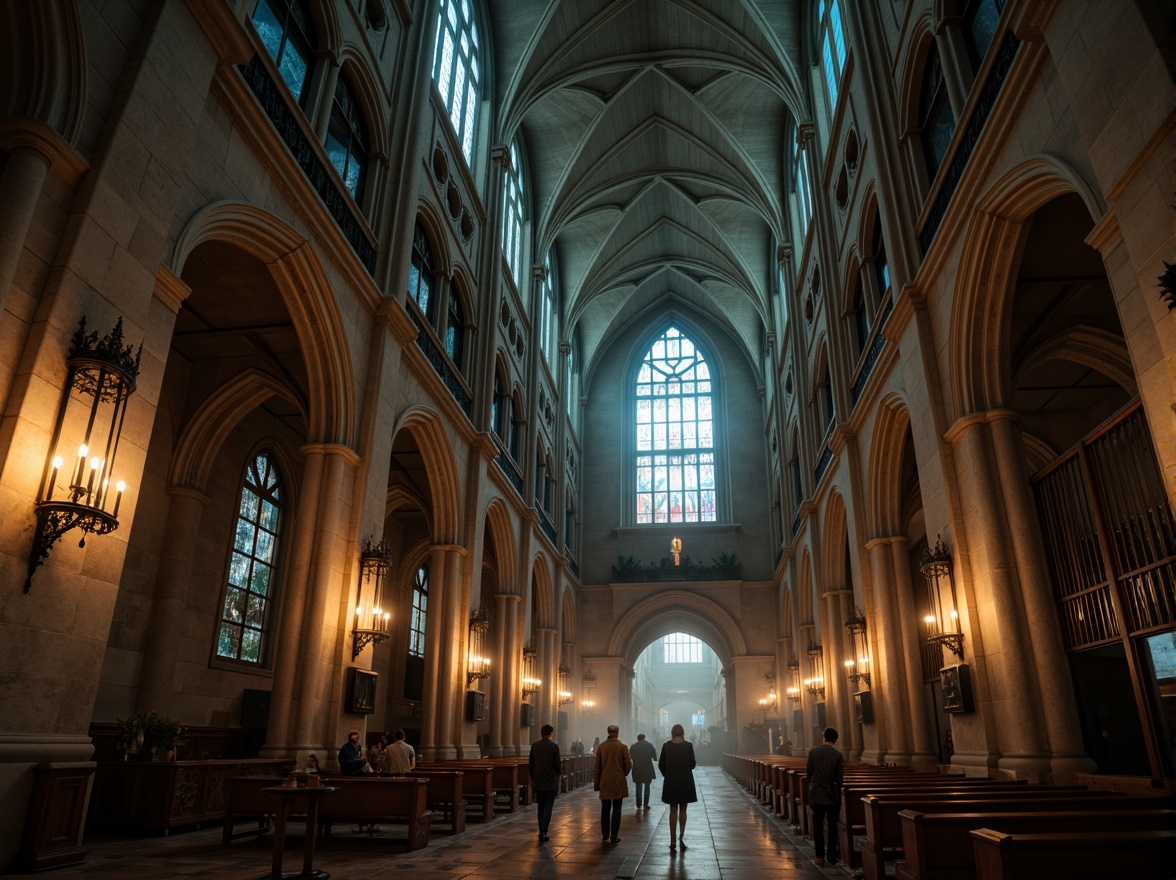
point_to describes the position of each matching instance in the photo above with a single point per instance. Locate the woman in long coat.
(677, 768)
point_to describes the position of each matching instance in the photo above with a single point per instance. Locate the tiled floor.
(729, 837)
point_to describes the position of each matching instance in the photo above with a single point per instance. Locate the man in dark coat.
(351, 759)
(643, 754)
(546, 769)
(826, 768)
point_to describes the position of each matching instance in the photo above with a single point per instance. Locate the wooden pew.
(1082, 856)
(477, 782)
(797, 813)
(937, 846)
(851, 820)
(883, 828)
(380, 799)
(244, 798)
(445, 793)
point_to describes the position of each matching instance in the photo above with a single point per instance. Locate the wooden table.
(289, 795)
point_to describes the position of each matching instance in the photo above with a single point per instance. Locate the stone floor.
(730, 837)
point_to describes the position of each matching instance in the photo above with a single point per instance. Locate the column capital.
(349, 455)
(190, 493)
(500, 156)
(539, 272)
(805, 132)
(25, 133)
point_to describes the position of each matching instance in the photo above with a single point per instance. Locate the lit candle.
(57, 463)
(83, 451)
(94, 463)
(119, 487)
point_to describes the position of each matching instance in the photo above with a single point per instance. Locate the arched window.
(861, 319)
(514, 442)
(249, 591)
(547, 322)
(421, 275)
(287, 32)
(832, 36)
(512, 219)
(980, 20)
(456, 71)
(675, 461)
(881, 266)
(420, 609)
(499, 406)
(936, 122)
(347, 139)
(794, 472)
(573, 367)
(455, 329)
(681, 648)
(801, 194)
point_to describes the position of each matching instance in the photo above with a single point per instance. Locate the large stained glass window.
(251, 581)
(675, 458)
(832, 47)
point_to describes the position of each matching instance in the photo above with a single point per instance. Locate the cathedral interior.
(464, 366)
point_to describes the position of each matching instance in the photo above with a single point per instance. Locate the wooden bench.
(1082, 856)
(883, 829)
(380, 799)
(445, 794)
(477, 785)
(797, 812)
(937, 846)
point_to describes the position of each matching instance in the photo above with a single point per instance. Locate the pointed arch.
(884, 489)
(432, 441)
(568, 612)
(979, 368)
(307, 293)
(201, 438)
(543, 614)
(804, 590)
(834, 535)
(498, 522)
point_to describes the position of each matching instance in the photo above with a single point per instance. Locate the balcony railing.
(440, 364)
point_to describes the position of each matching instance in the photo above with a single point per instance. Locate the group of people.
(394, 758)
(613, 762)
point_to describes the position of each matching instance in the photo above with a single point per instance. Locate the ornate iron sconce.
(101, 378)
(815, 683)
(857, 667)
(589, 689)
(371, 627)
(793, 690)
(477, 663)
(943, 622)
(565, 696)
(530, 659)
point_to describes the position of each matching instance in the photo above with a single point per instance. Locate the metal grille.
(1131, 512)
(1139, 522)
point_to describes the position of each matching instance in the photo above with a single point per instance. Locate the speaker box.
(475, 706)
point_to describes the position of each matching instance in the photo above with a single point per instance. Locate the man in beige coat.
(610, 766)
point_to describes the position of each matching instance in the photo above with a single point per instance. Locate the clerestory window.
(681, 648)
(832, 35)
(675, 458)
(287, 32)
(456, 71)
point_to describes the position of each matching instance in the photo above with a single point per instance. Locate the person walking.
(825, 771)
(546, 769)
(610, 766)
(677, 769)
(399, 758)
(643, 754)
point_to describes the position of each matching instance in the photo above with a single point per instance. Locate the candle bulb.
(94, 462)
(119, 486)
(83, 451)
(57, 463)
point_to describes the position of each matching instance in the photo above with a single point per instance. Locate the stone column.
(512, 697)
(837, 697)
(498, 733)
(548, 664)
(286, 666)
(1055, 689)
(454, 643)
(432, 705)
(1011, 687)
(887, 676)
(924, 750)
(168, 606)
(317, 657)
(20, 190)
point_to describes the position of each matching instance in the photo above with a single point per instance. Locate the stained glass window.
(832, 47)
(251, 581)
(512, 218)
(287, 32)
(675, 460)
(420, 269)
(420, 607)
(455, 68)
(347, 140)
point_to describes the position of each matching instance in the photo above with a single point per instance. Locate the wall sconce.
(943, 622)
(815, 683)
(100, 380)
(588, 704)
(564, 695)
(857, 667)
(793, 689)
(477, 663)
(372, 626)
(530, 657)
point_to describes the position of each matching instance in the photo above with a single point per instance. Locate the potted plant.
(151, 734)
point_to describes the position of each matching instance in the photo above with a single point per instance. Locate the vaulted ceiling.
(654, 137)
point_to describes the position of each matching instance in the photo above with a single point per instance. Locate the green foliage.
(1168, 286)
(148, 729)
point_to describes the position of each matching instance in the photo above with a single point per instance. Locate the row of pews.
(936, 826)
(445, 790)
